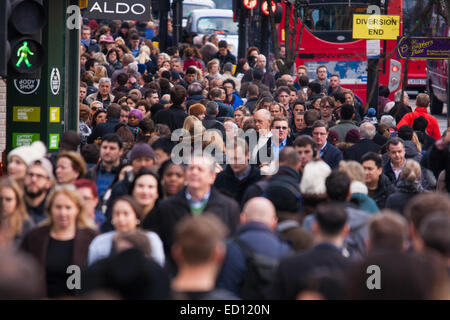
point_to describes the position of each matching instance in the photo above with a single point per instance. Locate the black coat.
(382, 192)
(227, 183)
(331, 155)
(229, 57)
(359, 149)
(379, 139)
(405, 191)
(439, 159)
(211, 122)
(102, 129)
(175, 208)
(173, 117)
(292, 273)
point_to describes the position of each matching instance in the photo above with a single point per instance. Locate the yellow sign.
(54, 114)
(372, 26)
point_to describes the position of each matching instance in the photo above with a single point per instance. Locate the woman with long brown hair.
(14, 219)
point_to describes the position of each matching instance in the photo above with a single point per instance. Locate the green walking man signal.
(23, 53)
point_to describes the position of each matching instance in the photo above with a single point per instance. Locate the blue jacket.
(237, 101)
(259, 237)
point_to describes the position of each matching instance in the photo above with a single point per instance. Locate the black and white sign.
(27, 86)
(55, 81)
(118, 9)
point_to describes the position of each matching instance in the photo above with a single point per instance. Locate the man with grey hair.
(262, 151)
(268, 78)
(195, 91)
(103, 94)
(197, 198)
(210, 121)
(367, 132)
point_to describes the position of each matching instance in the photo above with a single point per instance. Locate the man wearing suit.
(328, 153)
(367, 132)
(324, 263)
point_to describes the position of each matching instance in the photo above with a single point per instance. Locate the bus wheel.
(436, 105)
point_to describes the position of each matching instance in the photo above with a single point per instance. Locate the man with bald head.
(256, 235)
(268, 78)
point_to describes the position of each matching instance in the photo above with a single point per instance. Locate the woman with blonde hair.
(62, 240)
(14, 219)
(358, 188)
(144, 55)
(100, 72)
(213, 69)
(408, 185)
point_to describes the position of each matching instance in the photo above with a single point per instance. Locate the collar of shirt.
(198, 203)
(276, 149)
(397, 171)
(244, 175)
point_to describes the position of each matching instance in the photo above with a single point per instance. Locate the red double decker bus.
(327, 40)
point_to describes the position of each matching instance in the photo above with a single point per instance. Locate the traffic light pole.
(72, 102)
(42, 108)
(177, 22)
(242, 25)
(163, 19)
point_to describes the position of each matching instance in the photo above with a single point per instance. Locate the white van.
(190, 5)
(218, 21)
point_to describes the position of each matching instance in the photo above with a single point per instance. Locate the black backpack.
(259, 273)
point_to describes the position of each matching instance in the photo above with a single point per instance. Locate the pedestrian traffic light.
(4, 43)
(26, 21)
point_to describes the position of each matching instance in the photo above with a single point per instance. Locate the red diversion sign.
(250, 4)
(265, 9)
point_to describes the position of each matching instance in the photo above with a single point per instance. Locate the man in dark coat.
(238, 174)
(175, 115)
(257, 233)
(224, 55)
(210, 121)
(439, 156)
(267, 78)
(199, 197)
(324, 262)
(367, 132)
(328, 153)
(380, 187)
(102, 129)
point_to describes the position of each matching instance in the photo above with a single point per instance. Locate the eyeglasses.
(280, 127)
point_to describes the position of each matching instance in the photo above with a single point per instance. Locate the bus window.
(325, 19)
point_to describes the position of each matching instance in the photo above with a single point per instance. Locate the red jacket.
(433, 126)
(191, 62)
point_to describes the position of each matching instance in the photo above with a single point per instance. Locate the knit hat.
(141, 150)
(313, 179)
(333, 136)
(352, 136)
(197, 109)
(137, 113)
(371, 112)
(46, 165)
(30, 153)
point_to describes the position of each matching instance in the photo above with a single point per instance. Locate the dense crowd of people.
(325, 189)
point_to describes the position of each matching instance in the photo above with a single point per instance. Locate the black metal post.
(242, 48)
(163, 19)
(177, 23)
(264, 35)
(372, 82)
